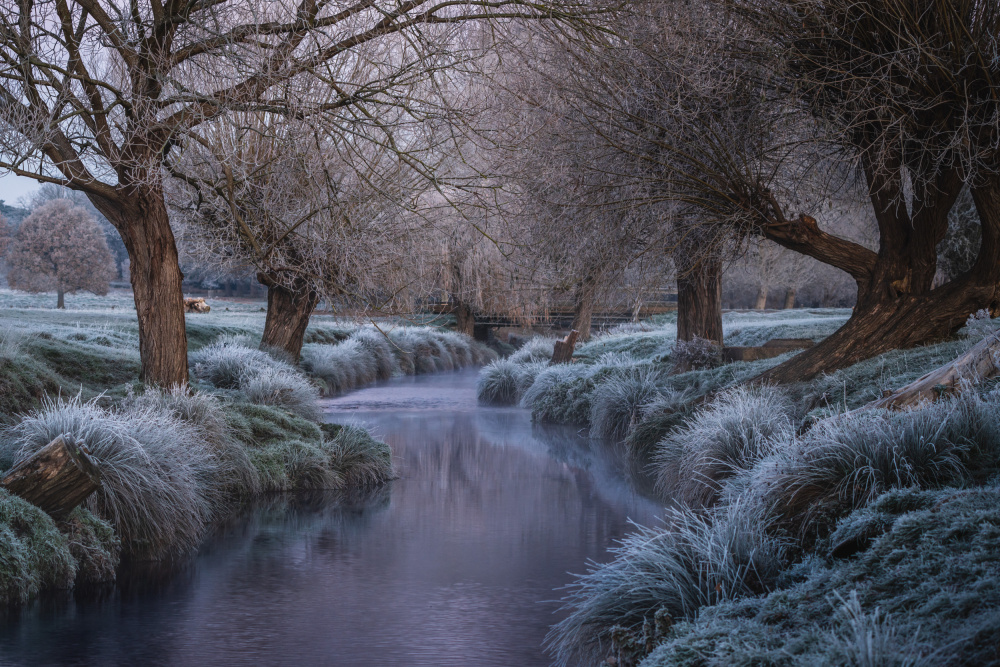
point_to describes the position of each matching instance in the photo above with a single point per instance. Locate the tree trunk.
(699, 301)
(562, 351)
(761, 302)
(56, 478)
(886, 324)
(789, 298)
(583, 307)
(61, 300)
(465, 320)
(896, 305)
(140, 215)
(288, 313)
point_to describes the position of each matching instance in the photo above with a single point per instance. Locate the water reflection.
(454, 563)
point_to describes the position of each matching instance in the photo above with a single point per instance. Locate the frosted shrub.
(226, 362)
(669, 572)
(380, 349)
(618, 402)
(504, 382)
(341, 367)
(261, 378)
(33, 554)
(235, 471)
(282, 388)
(845, 462)
(535, 350)
(153, 466)
(729, 436)
(361, 460)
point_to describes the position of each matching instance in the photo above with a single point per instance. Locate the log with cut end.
(976, 365)
(563, 350)
(56, 478)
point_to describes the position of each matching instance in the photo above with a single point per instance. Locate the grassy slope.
(916, 584)
(90, 350)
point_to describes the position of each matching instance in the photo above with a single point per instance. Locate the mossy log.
(563, 350)
(56, 478)
(978, 364)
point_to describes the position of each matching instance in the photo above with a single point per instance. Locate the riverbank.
(173, 463)
(453, 564)
(803, 532)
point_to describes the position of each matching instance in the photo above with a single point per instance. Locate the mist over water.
(454, 563)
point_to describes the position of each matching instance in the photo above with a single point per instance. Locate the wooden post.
(562, 353)
(56, 478)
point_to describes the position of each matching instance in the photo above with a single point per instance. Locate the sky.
(12, 188)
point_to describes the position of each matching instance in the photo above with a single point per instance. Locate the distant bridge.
(558, 318)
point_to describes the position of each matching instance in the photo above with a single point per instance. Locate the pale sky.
(12, 188)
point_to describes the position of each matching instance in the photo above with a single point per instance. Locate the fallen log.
(978, 364)
(56, 478)
(562, 353)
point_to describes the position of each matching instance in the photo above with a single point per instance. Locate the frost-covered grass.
(878, 535)
(734, 433)
(660, 575)
(172, 461)
(368, 355)
(925, 590)
(596, 386)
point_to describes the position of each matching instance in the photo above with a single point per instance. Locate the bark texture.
(562, 352)
(699, 301)
(583, 307)
(897, 305)
(789, 298)
(288, 311)
(56, 478)
(140, 216)
(465, 319)
(761, 302)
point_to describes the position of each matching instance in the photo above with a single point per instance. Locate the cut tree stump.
(976, 365)
(56, 478)
(563, 350)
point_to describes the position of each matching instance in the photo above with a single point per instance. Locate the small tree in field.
(61, 248)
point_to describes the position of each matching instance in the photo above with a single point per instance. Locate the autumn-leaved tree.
(60, 248)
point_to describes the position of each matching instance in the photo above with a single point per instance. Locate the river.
(456, 562)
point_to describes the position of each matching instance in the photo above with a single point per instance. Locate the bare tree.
(745, 110)
(60, 248)
(95, 96)
(313, 214)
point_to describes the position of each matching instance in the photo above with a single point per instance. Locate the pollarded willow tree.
(314, 214)
(905, 93)
(619, 100)
(96, 94)
(60, 248)
(573, 221)
(753, 110)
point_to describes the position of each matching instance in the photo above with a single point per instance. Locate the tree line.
(509, 151)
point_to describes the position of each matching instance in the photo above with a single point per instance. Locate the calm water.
(454, 563)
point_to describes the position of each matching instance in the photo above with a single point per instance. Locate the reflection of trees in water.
(487, 517)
